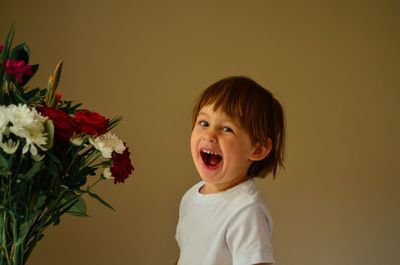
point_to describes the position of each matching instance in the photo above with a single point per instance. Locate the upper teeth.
(209, 152)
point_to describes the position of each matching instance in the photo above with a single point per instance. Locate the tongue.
(214, 160)
(210, 160)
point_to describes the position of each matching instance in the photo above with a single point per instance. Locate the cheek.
(238, 153)
(193, 144)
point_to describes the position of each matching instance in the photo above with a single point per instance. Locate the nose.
(210, 136)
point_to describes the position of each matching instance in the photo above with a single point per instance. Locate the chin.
(211, 179)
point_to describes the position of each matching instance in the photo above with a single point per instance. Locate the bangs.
(229, 101)
(239, 99)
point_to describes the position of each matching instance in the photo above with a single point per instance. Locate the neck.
(209, 188)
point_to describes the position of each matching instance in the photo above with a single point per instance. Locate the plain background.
(334, 65)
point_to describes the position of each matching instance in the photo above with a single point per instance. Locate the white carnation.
(3, 122)
(9, 146)
(29, 124)
(77, 139)
(107, 143)
(107, 173)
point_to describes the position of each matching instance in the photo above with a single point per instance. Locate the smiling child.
(238, 134)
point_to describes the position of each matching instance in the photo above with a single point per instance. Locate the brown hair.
(257, 111)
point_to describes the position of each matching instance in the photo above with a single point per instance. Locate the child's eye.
(203, 123)
(226, 129)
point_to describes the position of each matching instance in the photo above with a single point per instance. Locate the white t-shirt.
(232, 227)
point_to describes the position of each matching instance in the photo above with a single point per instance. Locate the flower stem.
(17, 247)
(3, 240)
(97, 181)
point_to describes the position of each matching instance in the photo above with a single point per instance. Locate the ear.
(261, 151)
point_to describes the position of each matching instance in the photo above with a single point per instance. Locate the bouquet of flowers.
(49, 146)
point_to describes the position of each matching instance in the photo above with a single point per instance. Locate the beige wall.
(333, 64)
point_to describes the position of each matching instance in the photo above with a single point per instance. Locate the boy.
(238, 134)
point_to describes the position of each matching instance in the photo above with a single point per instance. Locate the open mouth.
(210, 159)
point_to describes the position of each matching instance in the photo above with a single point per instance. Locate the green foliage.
(36, 190)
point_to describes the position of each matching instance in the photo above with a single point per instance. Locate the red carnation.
(18, 69)
(90, 123)
(63, 123)
(121, 166)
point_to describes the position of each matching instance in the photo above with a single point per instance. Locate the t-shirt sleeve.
(177, 232)
(182, 205)
(249, 237)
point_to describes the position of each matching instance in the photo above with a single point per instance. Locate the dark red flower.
(90, 123)
(18, 69)
(1, 47)
(63, 123)
(121, 166)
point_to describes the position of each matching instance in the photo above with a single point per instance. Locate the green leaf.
(3, 163)
(78, 208)
(24, 229)
(21, 52)
(49, 126)
(87, 171)
(97, 197)
(73, 204)
(54, 158)
(114, 122)
(20, 99)
(39, 203)
(27, 77)
(19, 190)
(4, 56)
(32, 95)
(36, 167)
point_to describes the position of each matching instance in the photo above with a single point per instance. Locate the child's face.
(221, 150)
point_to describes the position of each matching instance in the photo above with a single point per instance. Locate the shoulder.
(189, 194)
(249, 205)
(247, 196)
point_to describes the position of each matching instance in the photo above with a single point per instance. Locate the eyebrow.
(228, 119)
